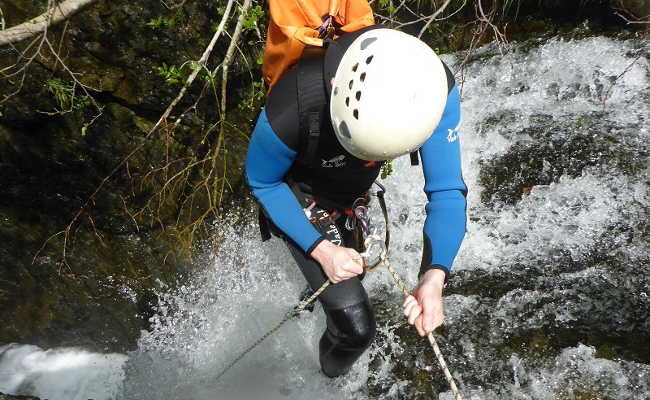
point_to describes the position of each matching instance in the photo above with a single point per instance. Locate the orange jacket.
(294, 24)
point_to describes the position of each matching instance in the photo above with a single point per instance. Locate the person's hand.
(424, 307)
(339, 263)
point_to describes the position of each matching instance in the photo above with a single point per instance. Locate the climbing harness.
(374, 256)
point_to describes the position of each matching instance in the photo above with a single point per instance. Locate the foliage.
(167, 22)
(252, 20)
(65, 95)
(161, 22)
(387, 5)
(256, 94)
(215, 25)
(386, 169)
(171, 73)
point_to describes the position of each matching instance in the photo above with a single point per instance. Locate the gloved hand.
(339, 263)
(424, 307)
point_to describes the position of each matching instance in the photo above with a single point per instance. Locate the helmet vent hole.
(358, 95)
(347, 101)
(350, 84)
(354, 68)
(367, 42)
(369, 59)
(355, 113)
(363, 77)
(343, 128)
(336, 91)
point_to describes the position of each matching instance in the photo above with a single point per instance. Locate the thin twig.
(633, 21)
(433, 17)
(201, 62)
(631, 18)
(229, 55)
(607, 92)
(224, 82)
(137, 148)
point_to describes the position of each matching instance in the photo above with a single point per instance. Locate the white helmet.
(388, 95)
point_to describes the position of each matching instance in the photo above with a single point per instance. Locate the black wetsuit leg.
(351, 323)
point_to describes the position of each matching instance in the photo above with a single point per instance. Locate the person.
(387, 94)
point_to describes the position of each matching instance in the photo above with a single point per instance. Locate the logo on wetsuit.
(452, 134)
(336, 162)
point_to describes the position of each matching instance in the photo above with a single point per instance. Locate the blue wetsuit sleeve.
(444, 227)
(267, 161)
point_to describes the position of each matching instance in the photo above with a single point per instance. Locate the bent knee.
(363, 335)
(355, 325)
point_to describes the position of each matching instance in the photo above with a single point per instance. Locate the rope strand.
(369, 241)
(432, 340)
(287, 317)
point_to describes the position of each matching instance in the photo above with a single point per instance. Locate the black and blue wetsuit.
(276, 176)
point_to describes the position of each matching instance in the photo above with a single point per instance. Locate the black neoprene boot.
(349, 333)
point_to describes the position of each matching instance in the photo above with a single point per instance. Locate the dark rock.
(11, 397)
(99, 292)
(558, 148)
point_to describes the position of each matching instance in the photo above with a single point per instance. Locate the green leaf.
(387, 169)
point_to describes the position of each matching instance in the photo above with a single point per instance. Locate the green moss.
(534, 343)
(143, 125)
(120, 113)
(128, 90)
(586, 395)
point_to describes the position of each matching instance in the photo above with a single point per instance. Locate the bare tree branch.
(633, 21)
(39, 24)
(2, 20)
(162, 122)
(628, 16)
(195, 72)
(433, 17)
(224, 84)
(229, 54)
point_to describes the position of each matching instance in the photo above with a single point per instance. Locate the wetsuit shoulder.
(282, 109)
(451, 81)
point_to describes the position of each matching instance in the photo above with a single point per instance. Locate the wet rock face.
(549, 299)
(514, 322)
(566, 200)
(640, 8)
(550, 149)
(56, 147)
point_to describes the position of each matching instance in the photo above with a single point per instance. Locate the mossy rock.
(556, 149)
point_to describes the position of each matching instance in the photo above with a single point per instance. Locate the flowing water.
(550, 298)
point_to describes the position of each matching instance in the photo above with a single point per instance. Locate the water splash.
(64, 373)
(555, 258)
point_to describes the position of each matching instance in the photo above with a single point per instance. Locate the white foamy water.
(553, 231)
(64, 373)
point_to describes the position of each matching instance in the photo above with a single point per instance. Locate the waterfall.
(550, 295)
